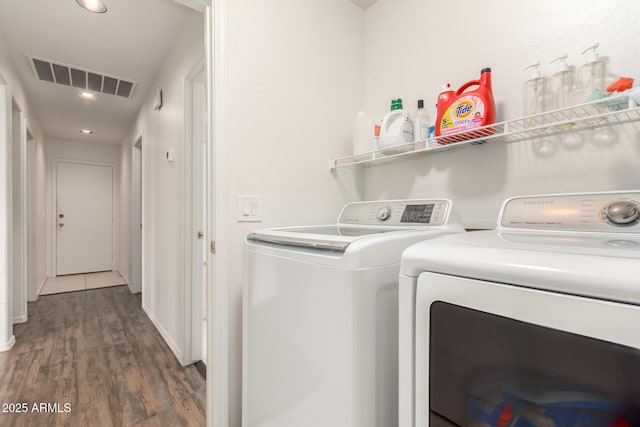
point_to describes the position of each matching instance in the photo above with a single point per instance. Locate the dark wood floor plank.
(98, 351)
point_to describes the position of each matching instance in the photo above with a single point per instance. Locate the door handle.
(60, 225)
(200, 235)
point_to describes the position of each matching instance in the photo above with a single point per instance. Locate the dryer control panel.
(608, 212)
(397, 213)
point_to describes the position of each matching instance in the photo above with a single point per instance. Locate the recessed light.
(86, 131)
(87, 95)
(94, 6)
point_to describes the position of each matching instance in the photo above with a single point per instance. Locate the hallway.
(98, 351)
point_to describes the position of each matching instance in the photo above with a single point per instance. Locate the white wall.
(425, 45)
(14, 89)
(70, 150)
(293, 87)
(73, 150)
(163, 195)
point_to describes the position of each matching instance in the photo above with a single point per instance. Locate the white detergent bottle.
(561, 84)
(397, 126)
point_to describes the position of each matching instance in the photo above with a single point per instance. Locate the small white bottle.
(421, 123)
(561, 84)
(534, 95)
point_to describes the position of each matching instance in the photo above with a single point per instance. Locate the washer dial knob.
(622, 213)
(383, 214)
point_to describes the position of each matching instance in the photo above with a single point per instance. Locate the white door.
(84, 218)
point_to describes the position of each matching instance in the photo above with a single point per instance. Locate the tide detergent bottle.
(462, 111)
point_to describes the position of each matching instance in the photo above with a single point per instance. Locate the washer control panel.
(397, 213)
(384, 213)
(611, 212)
(622, 213)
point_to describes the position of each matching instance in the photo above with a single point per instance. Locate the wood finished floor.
(98, 351)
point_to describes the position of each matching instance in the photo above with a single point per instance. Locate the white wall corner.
(128, 282)
(9, 344)
(20, 319)
(41, 286)
(165, 335)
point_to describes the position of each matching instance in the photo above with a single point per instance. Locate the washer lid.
(328, 237)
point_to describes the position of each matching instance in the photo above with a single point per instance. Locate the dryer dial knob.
(383, 214)
(622, 213)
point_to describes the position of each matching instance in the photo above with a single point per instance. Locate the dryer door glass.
(488, 370)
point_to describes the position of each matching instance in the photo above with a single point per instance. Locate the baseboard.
(9, 344)
(128, 282)
(201, 368)
(42, 285)
(174, 348)
(20, 319)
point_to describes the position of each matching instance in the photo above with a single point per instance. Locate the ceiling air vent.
(81, 78)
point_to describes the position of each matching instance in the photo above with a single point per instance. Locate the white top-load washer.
(320, 332)
(535, 323)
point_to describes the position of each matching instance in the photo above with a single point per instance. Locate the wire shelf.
(610, 111)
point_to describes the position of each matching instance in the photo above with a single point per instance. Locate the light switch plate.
(171, 155)
(249, 208)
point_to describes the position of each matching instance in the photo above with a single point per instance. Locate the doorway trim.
(7, 338)
(219, 387)
(137, 210)
(19, 224)
(193, 314)
(31, 216)
(54, 198)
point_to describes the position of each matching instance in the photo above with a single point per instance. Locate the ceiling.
(131, 41)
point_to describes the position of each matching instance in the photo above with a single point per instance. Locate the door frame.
(54, 202)
(137, 209)
(31, 216)
(7, 338)
(19, 221)
(193, 289)
(218, 386)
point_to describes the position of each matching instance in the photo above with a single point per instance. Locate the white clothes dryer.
(532, 324)
(320, 330)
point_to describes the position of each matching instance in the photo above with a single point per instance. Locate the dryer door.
(490, 354)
